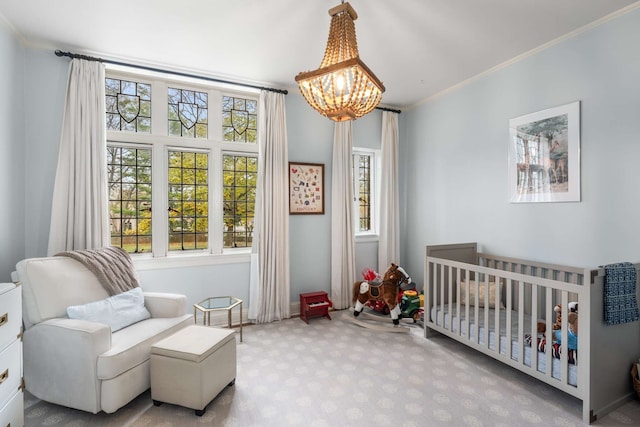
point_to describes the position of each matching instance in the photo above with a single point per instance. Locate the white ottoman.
(190, 367)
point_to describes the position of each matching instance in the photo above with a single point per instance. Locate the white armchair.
(79, 363)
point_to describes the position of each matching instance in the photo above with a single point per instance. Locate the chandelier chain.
(342, 43)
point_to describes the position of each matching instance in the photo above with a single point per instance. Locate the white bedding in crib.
(515, 345)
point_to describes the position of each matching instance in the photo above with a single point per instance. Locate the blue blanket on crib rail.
(620, 303)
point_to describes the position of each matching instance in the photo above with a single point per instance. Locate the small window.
(363, 190)
(128, 105)
(239, 119)
(129, 178)
(188, 113)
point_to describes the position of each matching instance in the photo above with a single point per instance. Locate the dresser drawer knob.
(4, 376)
(4, 319)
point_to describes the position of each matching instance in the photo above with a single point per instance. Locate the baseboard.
(612, 406)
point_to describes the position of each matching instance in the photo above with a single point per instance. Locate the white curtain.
(269, 277)
(389, 243)
(79, 213)
(343, 263)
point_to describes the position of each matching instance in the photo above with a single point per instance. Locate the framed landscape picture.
(306, 188)
(544, 156)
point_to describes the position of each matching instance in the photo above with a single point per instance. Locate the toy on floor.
(372, 277)
(410, 304)
(387, 291)
(382, 307)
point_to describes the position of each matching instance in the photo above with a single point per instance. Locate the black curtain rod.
(389, 109)
(177, 73)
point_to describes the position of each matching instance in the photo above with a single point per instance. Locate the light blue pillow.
(118, 311)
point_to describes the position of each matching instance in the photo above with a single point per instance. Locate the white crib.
(491, 303)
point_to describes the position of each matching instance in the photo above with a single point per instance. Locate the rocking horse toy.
(387, 291)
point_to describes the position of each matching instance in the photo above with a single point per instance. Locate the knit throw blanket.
(112, 266)
(620, 304)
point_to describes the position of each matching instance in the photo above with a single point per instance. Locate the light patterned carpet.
(334, 373)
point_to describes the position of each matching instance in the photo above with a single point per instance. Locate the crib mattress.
(439, 315)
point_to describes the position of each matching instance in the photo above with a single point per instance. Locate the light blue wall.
(310, 140)
(12, 142)
(456, 152)
(45, 90)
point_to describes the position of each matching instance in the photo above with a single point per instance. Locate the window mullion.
(215, 120)
(216, 225)
(160, 221)
(159, 108)
(376, 176)
(356, 191)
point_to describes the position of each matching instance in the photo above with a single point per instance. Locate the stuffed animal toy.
(558, 311)
(369, 274)
(573, 309)
(573, 317)
(572, 321)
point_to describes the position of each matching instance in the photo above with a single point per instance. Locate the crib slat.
(486, 312)
(458, 316)
(533, 326)
(509, 308)
(476, 310)
(549, 333)
(564, 354)
(466, 306)
(496, 314)
(521, 322)
(437, 276)
(446, 292)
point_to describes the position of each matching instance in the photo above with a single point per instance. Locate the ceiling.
(418, 48)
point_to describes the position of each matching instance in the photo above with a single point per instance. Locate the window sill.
(367, 238)
(148, 262)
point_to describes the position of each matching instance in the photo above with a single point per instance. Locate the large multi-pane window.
(199, 148)
(363, 190)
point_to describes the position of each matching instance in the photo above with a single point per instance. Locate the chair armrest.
(162, 304)
(64, 352)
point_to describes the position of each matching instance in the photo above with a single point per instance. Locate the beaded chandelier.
(343, 88)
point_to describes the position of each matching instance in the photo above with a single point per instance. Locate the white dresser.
(11, 389)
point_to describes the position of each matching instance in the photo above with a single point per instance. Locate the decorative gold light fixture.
(343, 88)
